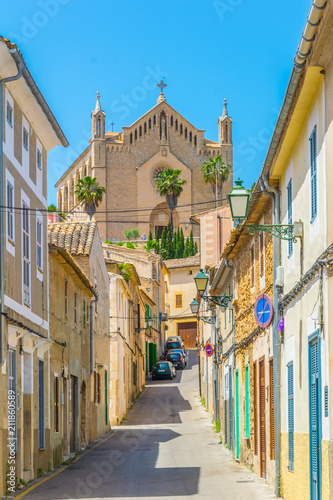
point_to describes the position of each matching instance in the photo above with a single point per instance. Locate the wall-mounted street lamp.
(149, 324)
(201, 281)
(195, 309)
(239, 198)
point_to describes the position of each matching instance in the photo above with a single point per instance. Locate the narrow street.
(165, 448)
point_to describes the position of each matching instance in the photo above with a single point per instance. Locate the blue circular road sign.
(209, 350)
(263, 310)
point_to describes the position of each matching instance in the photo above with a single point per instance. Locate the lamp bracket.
(281, 231)
(219, 300)
(208, 319)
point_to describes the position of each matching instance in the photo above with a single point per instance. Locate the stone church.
(127, 164)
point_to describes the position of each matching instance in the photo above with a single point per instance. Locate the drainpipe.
(275, 195)
(92, 333)
(2, 236)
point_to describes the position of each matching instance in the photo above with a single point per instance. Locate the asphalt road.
(165, 448)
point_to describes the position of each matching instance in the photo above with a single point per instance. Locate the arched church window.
(181, 129)
(171, 121)
(140, 131)
(149, 123)
(135, 134)
(154, 119)
(131, 138)
(176, 125)
(163, 126)
(145, 128)
(185, 133)
(190, 136)
(195, 140)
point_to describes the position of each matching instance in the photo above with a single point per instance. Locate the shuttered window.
(66, 297)
(252, 265)
(10, 212)
(290, 212)
(26, 253)
(290, 368)
(271, 410)
(75, 308)
(313, 167)
(261, 253)
(84, 313)
(179, 300)
(255, 408)
(56, 403)
(247, 403)
(41, 412)
(39, 245)
(97, 387)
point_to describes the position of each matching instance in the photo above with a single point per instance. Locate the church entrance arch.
(159, 219)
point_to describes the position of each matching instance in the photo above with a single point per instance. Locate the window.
(271, 410)
(140, 131)
(39, 159)
(190, 136)
(87, 305)
(290, 213)
(131, 138)
(97, 387)
(176, 125)
(178, 300)
(247, 403)
(185, 133)
(84, 313)
(39, 244)
(290, 368)
(10, 212)
(75, 308)
(56, 403)
(171, 121)
(66, 297)
(252, 265)
(261, 254)
(313, 166)
(26, 253)
(181, 129)
(145, 128)
(25, 138)
(149, 123)
(154, 119)
(9, 114)
(195, 140)
(135, 134)
(41, 419)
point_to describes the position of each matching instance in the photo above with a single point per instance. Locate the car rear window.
(174, 356)
(163, 366)
(173, 345)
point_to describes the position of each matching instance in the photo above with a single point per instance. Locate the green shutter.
(313, 167)
(87, 312)
(237, 413)
(134, 373)
(84, 313)
(151, 356)
(290, 368)
(247, 403)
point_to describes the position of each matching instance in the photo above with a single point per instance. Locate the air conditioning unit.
(279, 276)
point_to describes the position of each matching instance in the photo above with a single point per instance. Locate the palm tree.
(216, 172)
(90, 193)
(169, 185)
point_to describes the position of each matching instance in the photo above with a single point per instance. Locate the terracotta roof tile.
(187, 262)
(75, 237)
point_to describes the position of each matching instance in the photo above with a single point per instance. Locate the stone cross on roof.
(161, 85)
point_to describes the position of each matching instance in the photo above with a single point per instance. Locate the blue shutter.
(313, 166)
(291, 415)
(41, 434)
(290, 213)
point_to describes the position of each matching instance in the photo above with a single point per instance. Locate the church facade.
(128, 163)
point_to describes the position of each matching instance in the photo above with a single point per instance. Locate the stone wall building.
(29, 131)
(127, 163)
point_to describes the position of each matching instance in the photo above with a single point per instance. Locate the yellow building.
(181, 290)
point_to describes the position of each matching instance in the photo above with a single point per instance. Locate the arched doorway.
(159, 219)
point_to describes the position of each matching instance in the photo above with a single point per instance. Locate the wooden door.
(262, 433)
(188, 332)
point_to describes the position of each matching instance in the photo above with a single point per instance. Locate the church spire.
(225, 111)
(98, 104)
(161, 97)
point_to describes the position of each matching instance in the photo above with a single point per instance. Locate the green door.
(237, 412)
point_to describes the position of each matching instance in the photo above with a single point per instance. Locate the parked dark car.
(175, 344)
(177, 359)
(163, 369)
(176, 338)
(182, 352)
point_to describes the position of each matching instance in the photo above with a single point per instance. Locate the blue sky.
(206, 51)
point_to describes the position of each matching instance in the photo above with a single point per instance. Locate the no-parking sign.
(209, 350)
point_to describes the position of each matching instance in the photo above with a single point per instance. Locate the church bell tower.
(225, 126)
